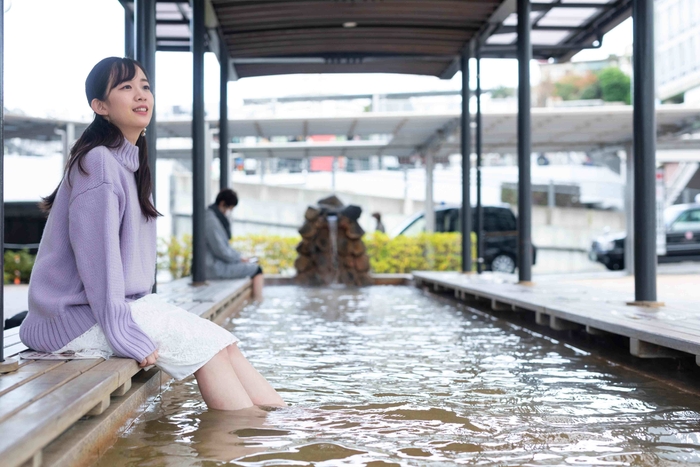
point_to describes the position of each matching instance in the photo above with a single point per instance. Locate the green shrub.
(276, 255)
(18, 265)
(404, 254)
(176, 256)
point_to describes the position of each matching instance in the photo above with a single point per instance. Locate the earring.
(143, 132)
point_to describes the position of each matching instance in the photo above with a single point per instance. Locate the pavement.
(15, 299)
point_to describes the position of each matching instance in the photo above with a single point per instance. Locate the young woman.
(90, 287)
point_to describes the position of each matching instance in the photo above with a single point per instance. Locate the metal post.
(2, 170)
(551, 195)
(466, 134)
(224, 161)
(479, 206)
(629, 211)
(429, 211)
(333, 169)
(128, 33)
(524, 145)
(6, 364)
(644, 153)
(198, 144)
(145, 42)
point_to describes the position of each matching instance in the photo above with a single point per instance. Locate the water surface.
(387, 375)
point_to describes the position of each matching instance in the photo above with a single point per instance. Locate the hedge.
(276, 255)
(18, 266)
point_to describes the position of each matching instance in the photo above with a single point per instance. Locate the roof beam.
(506, 8)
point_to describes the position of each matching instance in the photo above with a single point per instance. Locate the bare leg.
(257, 387)
(258, 287)
(219, 385)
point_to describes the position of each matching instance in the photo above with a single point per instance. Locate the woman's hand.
(150, 360)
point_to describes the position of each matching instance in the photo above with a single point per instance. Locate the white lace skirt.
(185, 341)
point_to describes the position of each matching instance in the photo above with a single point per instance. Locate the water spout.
(333, 229)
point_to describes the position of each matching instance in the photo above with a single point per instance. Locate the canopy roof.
(403, 134)
(426, 37)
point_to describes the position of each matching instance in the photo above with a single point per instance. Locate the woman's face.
(129, 106)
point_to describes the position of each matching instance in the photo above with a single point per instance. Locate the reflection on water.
(390, 376)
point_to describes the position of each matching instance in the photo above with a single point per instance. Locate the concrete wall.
(280, 210)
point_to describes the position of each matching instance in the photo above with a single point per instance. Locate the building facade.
(678, 50)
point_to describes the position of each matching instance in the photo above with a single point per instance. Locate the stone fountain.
(331, 249)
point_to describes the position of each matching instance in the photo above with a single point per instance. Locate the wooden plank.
(234, 307)
(15, 349)
(559, 324)
(28, 370)
(202, 309)
(124, 368)
(35, 425)
(39, 387)
(643, 349)
(10, 339)
(500, 306)
(87, 439)
(598, 310)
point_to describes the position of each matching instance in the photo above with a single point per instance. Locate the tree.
(502, 92)
(614, 85)
(574, 87)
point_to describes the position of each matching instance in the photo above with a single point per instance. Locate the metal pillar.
(644, 152)
(524, 145)
(6, 364)
(429, 211)
(334, 167)
(629, 211)
(128, 33)
(198, 144)
(466, 134)
(2, 171)
(479, 207)
(145, 46)
(224, 158)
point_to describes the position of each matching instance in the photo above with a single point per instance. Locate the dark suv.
(500, 233)
(24, 225)
(682, 223)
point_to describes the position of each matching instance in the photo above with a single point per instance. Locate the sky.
(51, 45)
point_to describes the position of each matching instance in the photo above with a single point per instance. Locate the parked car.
(24, 225)
(500, 233)
(682, 223)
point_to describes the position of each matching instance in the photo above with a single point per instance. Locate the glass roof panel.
(512, 19)
(501, 39)
(548, 37)
(166, 7)
(173, 30)
(567, 16)
(602, 2)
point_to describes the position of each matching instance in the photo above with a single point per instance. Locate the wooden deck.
(65, 413)
(670, 331)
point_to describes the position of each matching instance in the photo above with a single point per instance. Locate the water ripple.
(389, 376)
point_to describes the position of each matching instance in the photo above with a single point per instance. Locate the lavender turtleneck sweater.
(98, 252)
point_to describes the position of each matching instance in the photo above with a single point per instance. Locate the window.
(689, 220)
(416, 228)
(499, 220)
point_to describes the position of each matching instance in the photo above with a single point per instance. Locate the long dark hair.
(105, 76)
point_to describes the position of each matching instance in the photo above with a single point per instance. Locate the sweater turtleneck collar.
(127, 155)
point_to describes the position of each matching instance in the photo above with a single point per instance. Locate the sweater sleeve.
(218, 245)
(93, 228)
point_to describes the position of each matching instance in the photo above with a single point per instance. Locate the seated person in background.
(223, 262)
